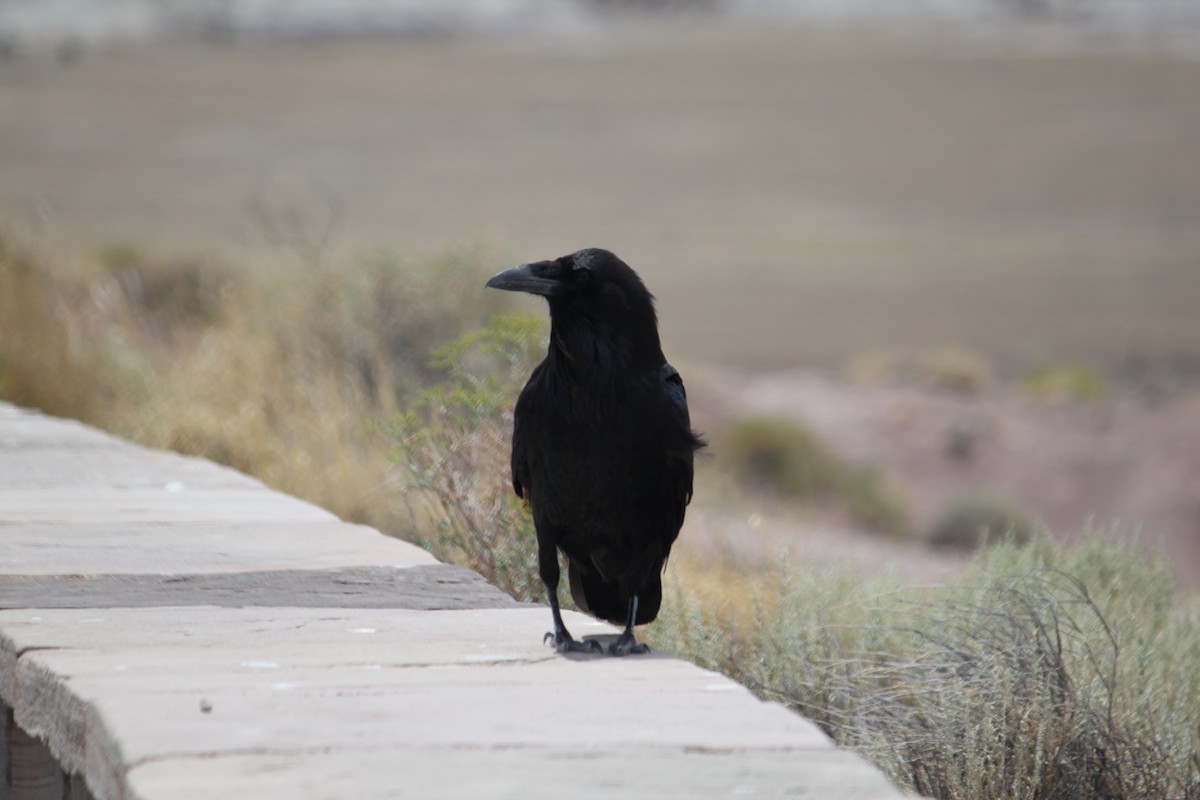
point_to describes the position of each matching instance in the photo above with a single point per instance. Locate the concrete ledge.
(158, 700)
(221, 640)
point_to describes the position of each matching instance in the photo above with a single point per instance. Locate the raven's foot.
(564, 643)
(627, 645)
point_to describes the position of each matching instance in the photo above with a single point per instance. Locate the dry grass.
(45, 358)
(1040, 673)
(286, 376)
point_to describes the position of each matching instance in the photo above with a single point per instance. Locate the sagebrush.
(453, 442)
(1041, 672)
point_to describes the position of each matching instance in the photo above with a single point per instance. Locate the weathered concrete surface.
(389, 701)
(79, 505)
(174, 629)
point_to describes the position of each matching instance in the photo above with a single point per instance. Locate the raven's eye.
(583, 276)
(547, 269)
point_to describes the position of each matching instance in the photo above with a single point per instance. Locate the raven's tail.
(605, 600)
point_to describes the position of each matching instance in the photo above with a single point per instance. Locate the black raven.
(602, 443)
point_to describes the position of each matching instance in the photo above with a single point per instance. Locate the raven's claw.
(627, 645)
(564, 643)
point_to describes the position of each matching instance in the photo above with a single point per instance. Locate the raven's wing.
(523, 414)
(677, 394)
(520, 470)
(674, 385)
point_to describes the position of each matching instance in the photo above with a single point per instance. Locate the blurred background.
(930, 269)
(943, 255)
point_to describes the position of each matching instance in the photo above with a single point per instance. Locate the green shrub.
(1041, 672)
(871, 503)
(454, 443)
(955, 369)
(785, 459)
(1066, 383)
(950, 368)
(974, 522)
(781, 457)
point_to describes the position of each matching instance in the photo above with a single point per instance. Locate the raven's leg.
(626, 643)
(560, 637)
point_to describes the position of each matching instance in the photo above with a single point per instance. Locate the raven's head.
(591, 281)
(594, 291)
(584, 273)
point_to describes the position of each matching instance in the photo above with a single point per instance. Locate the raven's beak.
(522, 279)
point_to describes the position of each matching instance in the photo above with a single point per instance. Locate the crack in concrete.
(430, 587)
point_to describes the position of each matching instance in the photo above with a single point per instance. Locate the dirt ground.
(1122, 466)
